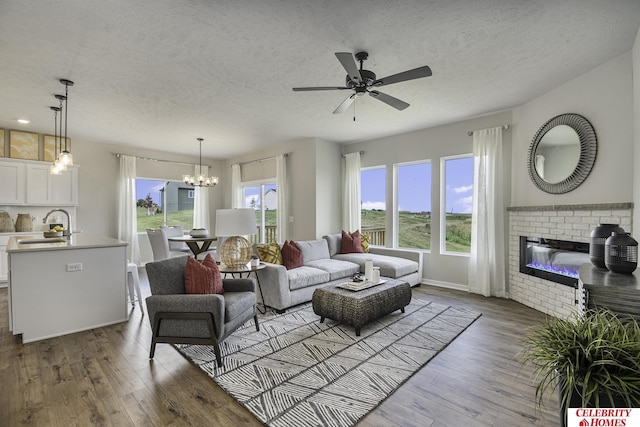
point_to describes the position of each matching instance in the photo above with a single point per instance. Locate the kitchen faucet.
(67, 232)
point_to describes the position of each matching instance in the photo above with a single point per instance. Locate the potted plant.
(593, 359)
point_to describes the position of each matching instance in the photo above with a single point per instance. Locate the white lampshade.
(235, 222)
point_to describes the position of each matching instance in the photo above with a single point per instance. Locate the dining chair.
(160, 245)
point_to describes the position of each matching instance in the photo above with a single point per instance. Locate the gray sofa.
(325, 266)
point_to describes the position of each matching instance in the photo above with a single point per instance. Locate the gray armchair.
(179, 318)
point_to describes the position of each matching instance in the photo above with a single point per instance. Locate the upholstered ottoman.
(357, 308)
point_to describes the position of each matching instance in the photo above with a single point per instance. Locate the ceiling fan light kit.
(363, 81)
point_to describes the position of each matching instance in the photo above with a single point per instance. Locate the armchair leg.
(255, 319)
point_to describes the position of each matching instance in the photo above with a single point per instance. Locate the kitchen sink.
(39, 241)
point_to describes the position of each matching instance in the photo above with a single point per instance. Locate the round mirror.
(562, 153)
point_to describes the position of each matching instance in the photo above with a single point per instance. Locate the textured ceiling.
(160, 73)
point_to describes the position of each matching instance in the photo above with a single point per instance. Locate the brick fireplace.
(558, 222)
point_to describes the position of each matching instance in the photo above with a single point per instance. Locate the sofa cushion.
(313, 249)
(270, 253)
(365, 239)
(198, 278)
(217, 277)
(304, 276)
(291, 255)
(351, 242)
(336, 268)
(390, 266)
(333, 241)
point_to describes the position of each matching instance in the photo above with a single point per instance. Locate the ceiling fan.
(364, 81)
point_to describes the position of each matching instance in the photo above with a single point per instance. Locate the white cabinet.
(46, 189)
(12, 177)
(3, 260)
(4, 266)
(27, 182)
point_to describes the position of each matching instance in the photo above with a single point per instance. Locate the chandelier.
(201, 179)
(63, 157)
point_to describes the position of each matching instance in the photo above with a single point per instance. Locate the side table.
(224, 269)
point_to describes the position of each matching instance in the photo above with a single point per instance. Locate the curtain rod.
(161, 160)
(361, 153)
(505, 127)
(261, 160)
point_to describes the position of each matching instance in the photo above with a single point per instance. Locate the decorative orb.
(236, 252)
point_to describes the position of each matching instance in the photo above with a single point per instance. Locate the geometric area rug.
(299, 372)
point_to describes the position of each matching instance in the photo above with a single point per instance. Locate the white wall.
(604, 97)
(98, 186)
(310, 166)
(433, 143)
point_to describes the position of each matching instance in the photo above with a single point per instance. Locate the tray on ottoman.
(359, 308)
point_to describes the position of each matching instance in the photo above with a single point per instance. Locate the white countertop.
(77, 241)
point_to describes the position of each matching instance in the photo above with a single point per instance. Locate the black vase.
(621, 253)
(599, 235)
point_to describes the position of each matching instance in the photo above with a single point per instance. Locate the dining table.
(197, 245)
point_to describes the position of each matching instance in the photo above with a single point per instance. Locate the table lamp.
(235, 251)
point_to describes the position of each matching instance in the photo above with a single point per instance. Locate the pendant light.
(201, 179)
(56, 168)
(65, 156)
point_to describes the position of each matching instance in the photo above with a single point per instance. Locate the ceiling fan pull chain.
(354, 110)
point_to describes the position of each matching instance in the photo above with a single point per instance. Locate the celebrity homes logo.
(603, 417)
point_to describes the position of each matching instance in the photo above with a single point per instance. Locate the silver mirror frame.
(588, 151)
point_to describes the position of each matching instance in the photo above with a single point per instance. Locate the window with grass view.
(163, 203)
(263, 199)
(373, 206)
(457, 193)
(413, 205)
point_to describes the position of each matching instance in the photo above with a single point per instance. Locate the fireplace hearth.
(554, 260)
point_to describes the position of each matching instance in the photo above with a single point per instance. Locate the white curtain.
(127, 217)
(486, 264)
(351, 193)
(201, 202)
(236, 187)
(281, 191)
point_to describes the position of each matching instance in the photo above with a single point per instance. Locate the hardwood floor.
(104, 377)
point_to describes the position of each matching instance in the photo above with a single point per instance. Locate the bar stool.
(133, 283)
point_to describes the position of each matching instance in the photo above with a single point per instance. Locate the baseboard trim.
(448, 285)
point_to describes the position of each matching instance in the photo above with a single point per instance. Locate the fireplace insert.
(554, 260)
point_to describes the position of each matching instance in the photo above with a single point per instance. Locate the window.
(264, 200)
(413, 205)
(163, 203)
(457, 203)
(373, 205)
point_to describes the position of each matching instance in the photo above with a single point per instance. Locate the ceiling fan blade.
(389, 100)
(345, 104)
(349, 64)
(416, 73)
(300, 89)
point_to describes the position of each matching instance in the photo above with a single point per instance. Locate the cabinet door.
(12, 190)
(65, 187)
(39, 185)
(4, 239)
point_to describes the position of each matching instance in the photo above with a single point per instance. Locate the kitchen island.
(59, 286)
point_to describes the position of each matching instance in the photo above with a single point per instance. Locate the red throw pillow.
(201, 278)
(291, 255)
(351, 242)
(217, 277)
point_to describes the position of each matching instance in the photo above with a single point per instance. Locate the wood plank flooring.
(103, 377)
